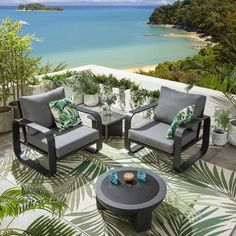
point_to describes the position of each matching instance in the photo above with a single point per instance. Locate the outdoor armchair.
(152, 134)
(39, 132)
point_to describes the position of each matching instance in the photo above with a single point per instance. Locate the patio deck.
(219, 156)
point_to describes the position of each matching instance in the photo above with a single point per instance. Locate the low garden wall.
(215, 99)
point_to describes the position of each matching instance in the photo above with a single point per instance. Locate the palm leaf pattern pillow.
(185, 115)
(65, 113)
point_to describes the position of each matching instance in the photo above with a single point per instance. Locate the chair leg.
(97, 149)
(133, 149)
(180, 167)
(31, 163)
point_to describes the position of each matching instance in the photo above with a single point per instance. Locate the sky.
(127, 2)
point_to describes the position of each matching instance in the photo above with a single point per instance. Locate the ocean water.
(110, 36)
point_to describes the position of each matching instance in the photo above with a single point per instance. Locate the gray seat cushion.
(153, 134)
(172, 101)
(36, 109)
(67, 141)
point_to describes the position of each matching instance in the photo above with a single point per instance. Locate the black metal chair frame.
(178, 164)
(51, 153)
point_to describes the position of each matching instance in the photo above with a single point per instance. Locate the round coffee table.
(137, 200)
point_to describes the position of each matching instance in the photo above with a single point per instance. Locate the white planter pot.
(6, 119)
(219, 139)
(69, 92)
(91, 100)
(232, 132)
(37, 89)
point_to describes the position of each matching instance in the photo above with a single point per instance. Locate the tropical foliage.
(65, 113)
(221, 120)
(16, 63)
(211, 17)
(87, 82)
(15, 202)
(18, 67)
(213, 65)
(183, 116)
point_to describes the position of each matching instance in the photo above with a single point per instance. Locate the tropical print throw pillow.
(183, 116)
(65, 113)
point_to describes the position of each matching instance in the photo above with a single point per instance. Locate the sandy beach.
(192, 35)
(145, 68)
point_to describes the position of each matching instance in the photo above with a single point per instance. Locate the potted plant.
(230, 91)
(232, 132)
(109, 99)
(220, 128)
(86, 85)
(21, 66)
(6, 112)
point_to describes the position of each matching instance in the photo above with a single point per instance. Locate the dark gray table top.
(117, 115)
(131, 197)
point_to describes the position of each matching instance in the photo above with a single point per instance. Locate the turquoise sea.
(111, 36)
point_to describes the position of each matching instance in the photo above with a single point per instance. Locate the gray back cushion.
(36, 109)
(172, 101)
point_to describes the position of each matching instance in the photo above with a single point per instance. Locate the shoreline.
(134, 69)
(189, 34)
(38, 10)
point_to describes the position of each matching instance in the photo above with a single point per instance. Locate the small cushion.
(65, 113)
(172, 101)
(153, 134)
(183, 116)
(69, 141)
(36, 109)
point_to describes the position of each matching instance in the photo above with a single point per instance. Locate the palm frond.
(168, 220)
(16, 201)
(97, 222)
(47, 227)
(213, 178)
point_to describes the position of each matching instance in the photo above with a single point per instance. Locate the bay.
(112, 36)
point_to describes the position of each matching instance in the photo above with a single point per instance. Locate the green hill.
(211, 17)
(214, 66)
(37, 7)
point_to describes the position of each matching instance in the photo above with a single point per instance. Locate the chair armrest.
(95, 115)
(183, 127)
(143, 108)
(41, 129)
(130, 114)
(51, 150)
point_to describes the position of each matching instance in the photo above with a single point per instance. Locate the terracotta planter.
(91, 100)
(6, 118)
(219, 139)
(232, 132)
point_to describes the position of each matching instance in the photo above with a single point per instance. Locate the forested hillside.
(213, 65)
(212, 17)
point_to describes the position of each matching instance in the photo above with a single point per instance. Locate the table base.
(142, 220)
